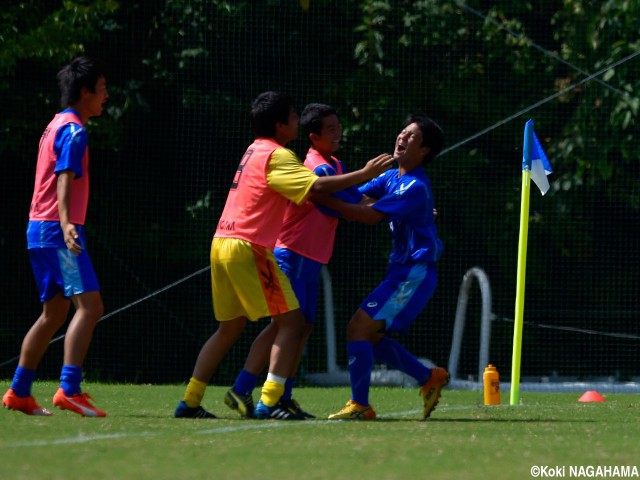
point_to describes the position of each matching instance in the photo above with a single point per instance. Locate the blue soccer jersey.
(70, 144)
(408, 203)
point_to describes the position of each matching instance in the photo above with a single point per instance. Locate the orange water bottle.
(491, 381)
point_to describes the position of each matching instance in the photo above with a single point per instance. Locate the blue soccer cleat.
(277, 412)
(293, 406)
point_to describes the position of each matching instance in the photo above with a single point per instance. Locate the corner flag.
(536, 167)
(534, 159)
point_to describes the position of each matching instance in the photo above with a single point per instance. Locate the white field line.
(78, 439)
(213, 431)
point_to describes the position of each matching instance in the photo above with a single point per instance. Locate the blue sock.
(288, 388)
(396, 356)
(22, 380)
(245, 383)
(360, 355)
(70, 379)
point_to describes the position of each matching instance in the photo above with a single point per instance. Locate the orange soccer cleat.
(26, 405)
(78, 403)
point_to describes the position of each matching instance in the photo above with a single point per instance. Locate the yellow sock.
(194, 393)
(271, 392)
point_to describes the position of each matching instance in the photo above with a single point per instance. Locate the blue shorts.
(304, 275)
(402, 295)
(59, 270)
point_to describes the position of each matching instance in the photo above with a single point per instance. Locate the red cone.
(591, 396)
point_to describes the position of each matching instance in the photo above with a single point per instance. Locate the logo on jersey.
(226, 225)
(404, 293)
(372, 304)
(403, 188)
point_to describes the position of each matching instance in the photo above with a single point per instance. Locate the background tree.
(182, 76)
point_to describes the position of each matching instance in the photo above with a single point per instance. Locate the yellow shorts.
(247, 282)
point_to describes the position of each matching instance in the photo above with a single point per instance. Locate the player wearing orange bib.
(57, 244)
(304, 245)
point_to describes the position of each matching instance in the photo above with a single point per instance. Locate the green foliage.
(41, 36)
(599, 141)
(388, 37)
(183, 73)
(34, 30)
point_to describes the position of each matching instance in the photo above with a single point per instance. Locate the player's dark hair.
(432, 134)
(312, 116)
(268, 109)
(82, 72)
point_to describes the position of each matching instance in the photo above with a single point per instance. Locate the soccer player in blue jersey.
(403, 198)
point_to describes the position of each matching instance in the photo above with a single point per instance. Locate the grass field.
(140, 439)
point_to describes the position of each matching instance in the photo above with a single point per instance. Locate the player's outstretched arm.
(361, 212)
(372, 169)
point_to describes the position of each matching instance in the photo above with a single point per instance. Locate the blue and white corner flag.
(534, 159)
